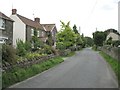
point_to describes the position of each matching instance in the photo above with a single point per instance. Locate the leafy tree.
(99, 37)
(66, 37)
(89, 41)
(75, 29)
(79, 40)
(84, 40)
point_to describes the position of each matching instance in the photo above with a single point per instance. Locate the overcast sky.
(88, 14)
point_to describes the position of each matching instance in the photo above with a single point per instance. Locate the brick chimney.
(37, 19)
(14, 11)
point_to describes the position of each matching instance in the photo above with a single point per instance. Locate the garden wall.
(26, 62)
(112, 51)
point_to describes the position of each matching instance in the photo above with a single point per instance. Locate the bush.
(21, 51)
(116, 43)
(32, 55)
(8, 54)
(48, 49)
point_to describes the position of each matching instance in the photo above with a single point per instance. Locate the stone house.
(51, 29)
(113, 33)
(23, 28)
(6, 29)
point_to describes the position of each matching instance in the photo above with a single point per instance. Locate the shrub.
(8, 54)
(47, 49)
(21, 51)
(32, 55)
(116, 43)
(28, 46)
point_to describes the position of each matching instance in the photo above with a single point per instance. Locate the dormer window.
(2, 23)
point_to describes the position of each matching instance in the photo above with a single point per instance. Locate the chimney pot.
(37, 20)
(14, 11)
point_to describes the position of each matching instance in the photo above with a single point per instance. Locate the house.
(112, 33)
(51, 30)
(6, 29)
(23, 28)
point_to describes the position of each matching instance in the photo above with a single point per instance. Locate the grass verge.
(115, 64)
(20, 74)
(71, 54)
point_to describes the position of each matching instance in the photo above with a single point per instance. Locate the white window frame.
(32, 32)
(2, 23)
(38, 33)
(42, 33)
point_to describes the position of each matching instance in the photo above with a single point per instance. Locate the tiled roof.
(30, 22)
(48, 27)
(5, 17)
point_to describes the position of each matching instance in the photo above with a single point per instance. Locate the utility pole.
(96, 28)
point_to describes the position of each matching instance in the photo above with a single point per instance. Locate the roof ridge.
(2, 15)
(25, 17)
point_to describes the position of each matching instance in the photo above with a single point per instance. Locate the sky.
(89, 15)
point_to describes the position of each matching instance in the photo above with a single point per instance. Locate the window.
(32, 32)
(38, 33)
(42, 33)
(2, 23)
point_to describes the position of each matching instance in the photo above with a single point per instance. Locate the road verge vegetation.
(20, 74)
(115, 64)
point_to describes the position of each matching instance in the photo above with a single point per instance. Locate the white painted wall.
(19, 29)
(113, 35)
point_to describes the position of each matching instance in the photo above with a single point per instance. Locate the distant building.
(52, 30)
(23, 28)
(6, 29)
(113, 33)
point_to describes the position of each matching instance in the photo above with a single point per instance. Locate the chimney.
(37, 19)
(14, 11)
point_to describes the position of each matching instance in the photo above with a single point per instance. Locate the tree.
(79, 40)
(84, 40)
(89, 41)
(66, 37)
(99, 37)
(75, 29)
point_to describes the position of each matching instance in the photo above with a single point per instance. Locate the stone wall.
(26, 62)
(112, 51)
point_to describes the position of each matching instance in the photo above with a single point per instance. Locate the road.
(86, 69)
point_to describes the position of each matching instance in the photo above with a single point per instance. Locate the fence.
(26, 62)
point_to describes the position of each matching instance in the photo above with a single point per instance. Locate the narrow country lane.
(86, 69)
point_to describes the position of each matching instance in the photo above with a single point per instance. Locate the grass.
(115, 64)
(71, 54)
(20, 74)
